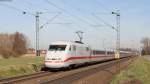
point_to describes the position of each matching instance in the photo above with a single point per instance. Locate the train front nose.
(55, 59)
(55, 63)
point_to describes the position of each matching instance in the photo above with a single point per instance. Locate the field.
(20, 66)
(137, 73)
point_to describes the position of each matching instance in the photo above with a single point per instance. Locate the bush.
(19, 44)
(6, 53)
(13, 45)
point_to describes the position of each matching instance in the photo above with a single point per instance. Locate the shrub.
(13, 45)
(6, 53)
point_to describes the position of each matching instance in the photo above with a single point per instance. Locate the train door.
(74, 51)
(88, 53)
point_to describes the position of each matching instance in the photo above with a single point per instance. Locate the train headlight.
(59, 58)
(48, 59)
(53, 58)
(56, 58)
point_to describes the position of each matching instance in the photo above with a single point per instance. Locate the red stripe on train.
(76, 58)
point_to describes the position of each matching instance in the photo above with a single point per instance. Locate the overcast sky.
(74, 15)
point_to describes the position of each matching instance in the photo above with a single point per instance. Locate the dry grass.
(20, 66)
(137, 73)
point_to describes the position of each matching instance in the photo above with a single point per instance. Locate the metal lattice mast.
(117, 54)
(37, 33)
(118, 33)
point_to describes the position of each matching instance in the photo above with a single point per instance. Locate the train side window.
(69, 48)
(74, 48)
(87, 48)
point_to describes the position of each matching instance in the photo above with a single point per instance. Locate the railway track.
(24, 77)
(68, 79)
(60, 77)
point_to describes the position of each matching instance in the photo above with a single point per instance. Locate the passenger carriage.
(64, 54)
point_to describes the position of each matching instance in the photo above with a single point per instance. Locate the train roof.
(68, 42)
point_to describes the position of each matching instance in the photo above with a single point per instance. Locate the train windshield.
(57, 47)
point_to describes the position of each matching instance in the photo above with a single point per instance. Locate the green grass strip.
(136, 73)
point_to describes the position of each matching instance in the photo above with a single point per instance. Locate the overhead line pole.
(118, 33)
(37, 33)
(38, 27)
(104, 46)
(117, 54)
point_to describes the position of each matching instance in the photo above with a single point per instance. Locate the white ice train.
(63, 54)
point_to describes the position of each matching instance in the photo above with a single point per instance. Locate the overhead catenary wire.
(11, 7)
(20, 10)
(103, 6)
(107, 24)
(85, 20)
(16, 9)
(68, 13)
(75, 16)
(90, 25)
(81, 26)
(34, 5)
(27, 2)
(77, 9)
(50, 20)
(30, 5)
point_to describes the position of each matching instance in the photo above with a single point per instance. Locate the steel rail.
(76, 76)
(41, 74)
(24, 77)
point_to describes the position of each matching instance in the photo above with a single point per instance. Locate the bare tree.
(6, 41)
(19, 44)
(146, 45)
(146, 42)
(12, 45)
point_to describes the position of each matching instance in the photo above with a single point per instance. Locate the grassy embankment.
(137, 73)
(20, 66)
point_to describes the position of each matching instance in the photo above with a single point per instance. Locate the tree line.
(12, 45)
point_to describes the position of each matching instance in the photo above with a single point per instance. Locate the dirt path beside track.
(103, 76)
(147, 57)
